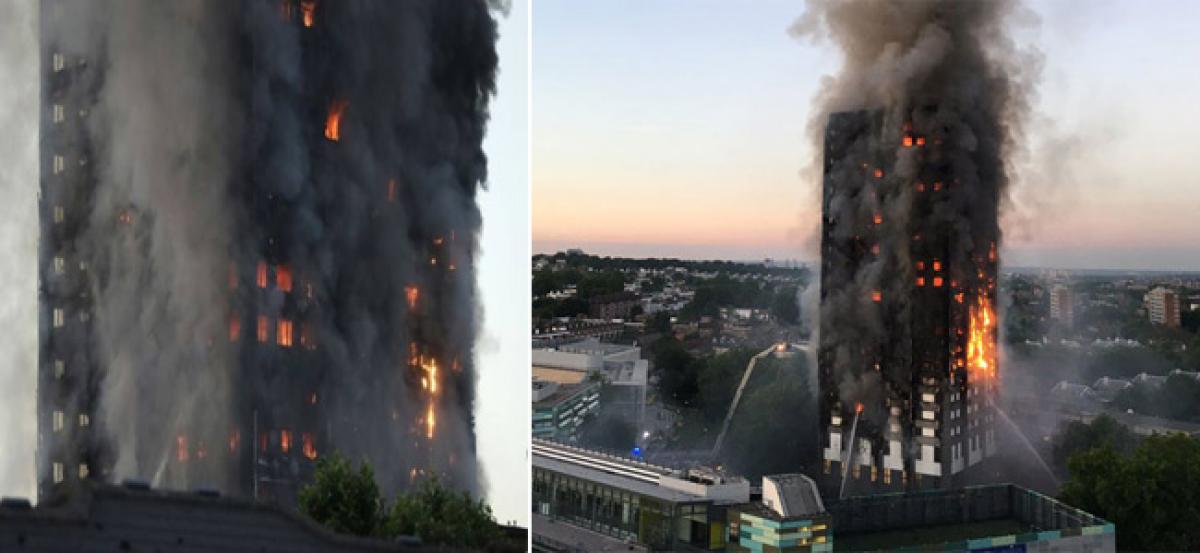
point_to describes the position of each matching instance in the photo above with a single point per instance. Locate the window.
(60, 368)
(83, 471)
(310, 449)
(260, 276)
(283, 278)
(59, 164)
(285, 440)
(283, 333)
(235, 327)
(58, 421)
(263, 328)
(59, 214)
(306, 336)
(58, 113)
(59, 62)
(60, 265)
(59, 317)
(84, 420)
(58, 472)
(84, 316)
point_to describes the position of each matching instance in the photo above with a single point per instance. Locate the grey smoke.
(953, 70)
(18, 240)
(212, 146)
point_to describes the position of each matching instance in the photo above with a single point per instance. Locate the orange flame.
(285, 440)
(308, 7)
(235, 437)
(333, 123)
(981, 341)
(858, 407)
(430, 421)
(412, 293)
(876, 296)
(310, 450)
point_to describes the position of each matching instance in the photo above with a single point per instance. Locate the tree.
(784, 306)
(677, 371)
(343, 498)
(659, 322)
(1104, 431)
(1150, 494)
(439, 516)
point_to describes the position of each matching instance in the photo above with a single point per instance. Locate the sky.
(502, 352)
(678, 128)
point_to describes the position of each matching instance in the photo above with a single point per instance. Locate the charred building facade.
(258, 237)
(907, 355)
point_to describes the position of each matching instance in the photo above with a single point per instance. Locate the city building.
(559, 409)
(1062, 306)
(993, 518)
(617, 305)
(233, 346)
(619, 367)
(907, 358)
(582, 496)
(136, 518)
(590, 501)
(1162, 305)
(790, 517)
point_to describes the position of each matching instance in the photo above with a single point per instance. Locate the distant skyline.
(678, 129)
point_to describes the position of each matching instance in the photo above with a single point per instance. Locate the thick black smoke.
(221, 183)
(949, 73)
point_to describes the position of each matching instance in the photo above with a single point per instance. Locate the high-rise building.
(258, 231)
(1162, 305)
(907, 353)
(1062, 307)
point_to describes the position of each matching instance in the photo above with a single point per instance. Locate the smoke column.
(283, 233)
(951, 71)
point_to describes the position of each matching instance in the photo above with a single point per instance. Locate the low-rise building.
(559, 409)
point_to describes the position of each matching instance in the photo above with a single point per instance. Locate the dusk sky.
(678, 128)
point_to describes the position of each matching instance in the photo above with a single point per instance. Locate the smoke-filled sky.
(678, 128)
(501, 351)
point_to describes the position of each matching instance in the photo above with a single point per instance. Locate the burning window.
(283, 278)
(285, 440)
(260, 276)
(937, 265)
(391, 190)
(263, 328)
(878, 218)
(920, 281)
(310, 449)
(937, 282)
(920, 265)
(235, 327)
(333, 123)
(937, 186)
(875, 249)
(283, 333)
(308, 8)
(262, 442)
(908, 141)
(879, 173)
(876, 296)
(920, 187)
(412, 293)
(920, 141)
(235, 438)
(181, 448)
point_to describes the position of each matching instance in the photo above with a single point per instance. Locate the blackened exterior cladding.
(888, 252)
(285, 386)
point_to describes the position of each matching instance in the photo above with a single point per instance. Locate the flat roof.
(618, 481)
(928, 535)
(563, 393)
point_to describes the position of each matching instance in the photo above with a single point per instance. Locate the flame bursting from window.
(412, 293)
(333, 124)
(308, 8)
(310, 450)
(981, 341)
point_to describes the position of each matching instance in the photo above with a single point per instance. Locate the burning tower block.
(258, 234)
(907, 356)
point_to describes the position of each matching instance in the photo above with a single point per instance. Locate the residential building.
(560, 409)
(1062, 307)
(617, 305)
(1162, 306)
